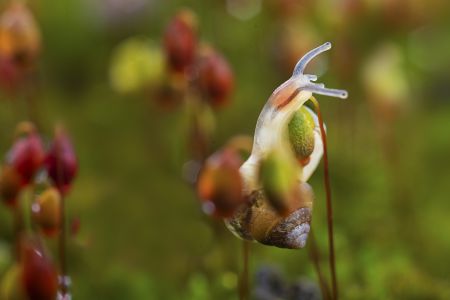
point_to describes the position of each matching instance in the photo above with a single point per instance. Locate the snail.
(256, 219)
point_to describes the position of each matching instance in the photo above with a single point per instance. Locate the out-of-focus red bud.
(180, 41)
(216, 79)
(10, 185)
(27, 155)
(39, 277)
(220, 183)
(20, 39)
(61, 161)
(46, 211)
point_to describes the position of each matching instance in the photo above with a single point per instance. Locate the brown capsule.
(180, 41)
(46, 211)
(220, 184)
(215, 77)
(38, 275)
(20, 39)
(10, 185)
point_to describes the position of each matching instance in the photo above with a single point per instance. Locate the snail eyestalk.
(322, 90)
(304, 61)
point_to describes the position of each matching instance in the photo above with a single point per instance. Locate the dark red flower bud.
(39, 277)
(61, 161)
(220, 183)
(10, 185)
(180, 41)
(27, 155)
(216, 79)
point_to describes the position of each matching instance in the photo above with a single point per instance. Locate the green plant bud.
(278, 176)
(136, 64)
(301, 134)
(46, 211)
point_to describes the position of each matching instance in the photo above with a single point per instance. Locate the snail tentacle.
(322, 90)
(304, 61)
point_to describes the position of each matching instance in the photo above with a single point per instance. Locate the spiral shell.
(258, 221)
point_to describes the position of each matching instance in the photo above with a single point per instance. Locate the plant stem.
(62, 236)
(244, 288)
(62, 248)
(314, 255)
(26, 210)
(326, 176)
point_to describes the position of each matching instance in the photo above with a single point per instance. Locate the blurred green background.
(143, 235)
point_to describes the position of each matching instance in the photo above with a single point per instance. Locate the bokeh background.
(143, 234)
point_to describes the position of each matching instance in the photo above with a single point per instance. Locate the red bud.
(180, 41)
(26, 156)
(39, 276)
(220, 183)
(216, 78)
(61, 162)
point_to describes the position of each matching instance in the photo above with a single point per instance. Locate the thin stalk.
(62, 248)
(326, 176)
(26, 210)
(62, 236)
(17, 229)
(314, 255)
(244, 288)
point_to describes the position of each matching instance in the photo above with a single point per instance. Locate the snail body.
(256, 219)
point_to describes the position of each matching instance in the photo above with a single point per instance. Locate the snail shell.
(257, 220)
